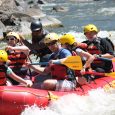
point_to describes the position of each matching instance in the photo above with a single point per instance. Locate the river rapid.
(102, 14)
(98, 102)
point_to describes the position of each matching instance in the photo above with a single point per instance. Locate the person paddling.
(5, 70)
(62, 77)
(17, 55)
(99, 48)
(69, 42)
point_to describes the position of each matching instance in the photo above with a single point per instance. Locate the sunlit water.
(98, 102)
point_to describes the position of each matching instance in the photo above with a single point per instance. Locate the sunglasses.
(51, 43)
(37, 31)
(10, 38)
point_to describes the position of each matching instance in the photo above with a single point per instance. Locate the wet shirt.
(62, 53)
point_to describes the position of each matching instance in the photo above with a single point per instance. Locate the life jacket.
(16, 59)
(96, 47)
(60, 72)
(3, 70)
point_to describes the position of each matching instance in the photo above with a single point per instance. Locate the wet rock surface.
(16, 15)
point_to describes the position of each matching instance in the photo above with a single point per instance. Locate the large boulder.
(16, 15)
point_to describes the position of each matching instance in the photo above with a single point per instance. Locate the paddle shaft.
(112, 74)
(95, 73)
(73, 62)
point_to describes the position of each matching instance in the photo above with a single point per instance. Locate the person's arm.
(18, 79)
(88, 56)
(26, 42)
(38, 69)
(89, 59)
(22, 48)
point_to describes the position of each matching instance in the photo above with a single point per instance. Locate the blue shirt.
(62, 53)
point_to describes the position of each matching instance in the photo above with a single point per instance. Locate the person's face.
(37, 33)
(64, 46)
(1, 63)
(90, 35)
(11, 40)
(53, 46)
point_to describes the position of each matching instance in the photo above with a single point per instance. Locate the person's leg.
(39, 80)
(49, 84)
(65, 85)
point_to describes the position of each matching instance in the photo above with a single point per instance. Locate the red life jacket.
(17, 59)
(93, 49)
(3, 70)
(59, 72)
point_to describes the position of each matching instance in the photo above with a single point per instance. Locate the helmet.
(36, 25)
(90, 28)
(13, 34)
(3, 56)
(67, 38)
(51, 37)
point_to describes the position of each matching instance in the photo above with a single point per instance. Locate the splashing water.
(98, 102)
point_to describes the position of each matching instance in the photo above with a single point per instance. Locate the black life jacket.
(97, 47)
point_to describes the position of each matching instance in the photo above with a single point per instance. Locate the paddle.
(113, 62)
(73, 62)
(112, 74)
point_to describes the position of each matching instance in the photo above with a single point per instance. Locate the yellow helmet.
(90, 28)
(67, 38)
(3, 56)
(13, 34)
(51, 37)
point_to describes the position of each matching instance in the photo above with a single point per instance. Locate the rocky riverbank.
(16, 15)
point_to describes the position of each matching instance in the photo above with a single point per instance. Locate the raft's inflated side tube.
(14, 99)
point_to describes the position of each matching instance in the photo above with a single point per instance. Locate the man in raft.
(99, 47)
(63, 78)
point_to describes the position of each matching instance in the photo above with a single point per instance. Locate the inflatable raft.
(14, 99)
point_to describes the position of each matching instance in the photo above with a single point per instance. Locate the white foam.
(98, 102)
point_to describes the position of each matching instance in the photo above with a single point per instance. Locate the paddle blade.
(112, 74)
(113, 63)
(73, 62)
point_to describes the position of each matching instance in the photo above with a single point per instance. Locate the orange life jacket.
(17, 59)
(3, 70)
